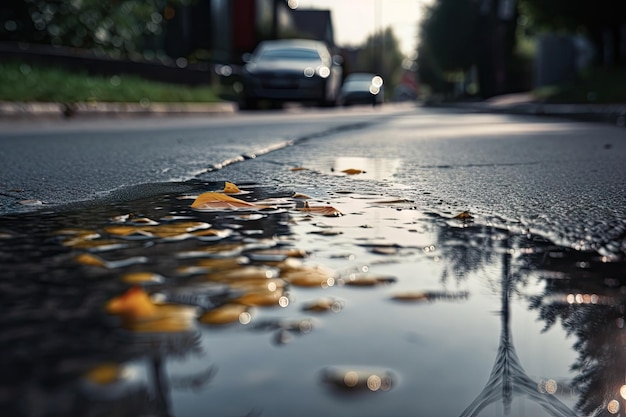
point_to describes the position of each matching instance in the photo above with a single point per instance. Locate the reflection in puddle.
(153, 308)
(379, 169)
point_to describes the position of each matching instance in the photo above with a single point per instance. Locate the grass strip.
(20, 82)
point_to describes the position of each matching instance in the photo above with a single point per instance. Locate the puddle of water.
(379, 169)
(385, 310)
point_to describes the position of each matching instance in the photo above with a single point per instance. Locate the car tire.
(247, 103)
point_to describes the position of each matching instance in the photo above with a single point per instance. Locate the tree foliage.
(381, 55)
(601, 20)
(117, 25)
(449, 31)
(448, 40)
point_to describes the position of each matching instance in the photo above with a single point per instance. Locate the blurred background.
(433, 50)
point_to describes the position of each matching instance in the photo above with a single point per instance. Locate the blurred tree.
(380, 54)
(448, 41)
(117, 26)
(449, 33)
(604, 21)
(456, 35)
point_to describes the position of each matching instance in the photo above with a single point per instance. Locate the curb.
(27, 110)
(611, 113)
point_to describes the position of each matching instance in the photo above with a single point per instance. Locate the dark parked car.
(290, 70)
(362, 88)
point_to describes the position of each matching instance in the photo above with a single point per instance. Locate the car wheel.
(247, 103)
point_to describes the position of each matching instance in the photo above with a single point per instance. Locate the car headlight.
(323, 72)
(309, 72)
(377, 81)
(374, 89)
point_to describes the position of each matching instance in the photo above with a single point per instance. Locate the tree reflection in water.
(586, 293)
(584, 290)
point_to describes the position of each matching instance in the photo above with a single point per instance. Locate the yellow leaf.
(141, 277)
(134, 303)
(218, 201)
(262, 298)
(230, 188)
(323, 305)
(104, 374)
(125, 230)
(308, 276)
(140, 314)
(352, 171)
(91, 260)
(225, 314)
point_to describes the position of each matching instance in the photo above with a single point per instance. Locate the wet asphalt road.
(558, 178)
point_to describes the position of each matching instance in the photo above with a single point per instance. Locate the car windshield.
(289, 53)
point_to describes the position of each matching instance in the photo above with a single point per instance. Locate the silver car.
(362, 88)
(288, 70)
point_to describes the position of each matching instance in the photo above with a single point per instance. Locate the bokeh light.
(351, 378)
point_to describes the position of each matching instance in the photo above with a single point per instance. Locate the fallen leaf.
(104, 374)
(300, 196)
(226, 314)
(142, 277)
(352, 171)
(411, 296)
(464, 216)
(230, 188)
(127, 231)
(134, 303)
(322, 305)
(298, 169)
(308, 276)
(140, 314)
(219, 201)
(327, 211)
(91, 260)
(262, 298)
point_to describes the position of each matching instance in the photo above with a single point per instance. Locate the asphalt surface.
(552, 176)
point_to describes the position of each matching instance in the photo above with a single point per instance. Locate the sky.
(355, 20)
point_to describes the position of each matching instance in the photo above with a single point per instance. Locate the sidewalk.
(524, 104)
(24, 110)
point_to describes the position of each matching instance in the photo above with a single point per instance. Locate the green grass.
(595, 86)
(21, 82)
